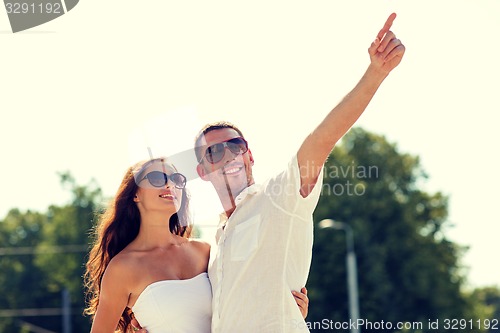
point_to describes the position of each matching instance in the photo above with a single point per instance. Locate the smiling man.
(265, 234)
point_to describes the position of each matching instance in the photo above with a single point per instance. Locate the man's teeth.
(232, 170)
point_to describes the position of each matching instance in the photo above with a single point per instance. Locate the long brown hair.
(116, 228)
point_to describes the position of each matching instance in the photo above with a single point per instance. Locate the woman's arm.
(113, 298)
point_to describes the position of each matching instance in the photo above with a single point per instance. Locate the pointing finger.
(387, 26)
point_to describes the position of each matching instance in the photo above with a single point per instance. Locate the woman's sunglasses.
(216, 152)
(159, 179)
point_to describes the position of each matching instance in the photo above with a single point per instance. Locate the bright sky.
(89, 91)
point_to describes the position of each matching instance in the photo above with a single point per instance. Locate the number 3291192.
(32, 8)
(462, 324)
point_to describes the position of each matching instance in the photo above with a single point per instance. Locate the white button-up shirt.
(264, 252)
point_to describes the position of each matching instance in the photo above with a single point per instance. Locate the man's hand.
(302, 301)
(137, 327)
(386, 51)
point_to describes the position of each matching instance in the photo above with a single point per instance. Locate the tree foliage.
(18, 273)
(408, 270)
(47, 256)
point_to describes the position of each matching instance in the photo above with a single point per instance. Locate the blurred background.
(86, 95)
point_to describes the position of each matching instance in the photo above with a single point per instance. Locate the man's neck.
(227, 197)
(229, 212)
(228, 200)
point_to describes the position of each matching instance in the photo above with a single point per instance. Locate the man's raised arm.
(385, 53)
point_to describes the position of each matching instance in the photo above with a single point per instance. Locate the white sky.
(73, 93)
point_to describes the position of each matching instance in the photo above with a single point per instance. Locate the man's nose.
(229, 155)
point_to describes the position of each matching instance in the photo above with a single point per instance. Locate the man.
(265, 234)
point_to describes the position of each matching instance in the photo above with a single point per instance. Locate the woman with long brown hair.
(142, 243)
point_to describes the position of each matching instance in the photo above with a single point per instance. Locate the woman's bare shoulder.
(124, 261)
(200, 245)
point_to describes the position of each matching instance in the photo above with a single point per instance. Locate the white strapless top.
(176, 306)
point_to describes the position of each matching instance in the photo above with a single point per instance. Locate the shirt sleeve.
(284, 191)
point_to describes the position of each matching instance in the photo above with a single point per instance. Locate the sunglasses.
(216, 152)
(159, 179)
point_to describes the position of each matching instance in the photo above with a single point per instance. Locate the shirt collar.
(250, 190)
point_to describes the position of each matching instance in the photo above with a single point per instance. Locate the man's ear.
(200, 169)
(250, 157)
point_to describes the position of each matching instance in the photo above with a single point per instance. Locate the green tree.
(47, 255)
(408, 271)
(68, 228)
(487, 300)
(19, 233)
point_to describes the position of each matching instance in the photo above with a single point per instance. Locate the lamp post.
(352, 274)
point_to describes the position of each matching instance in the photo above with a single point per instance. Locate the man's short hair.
(212, 127)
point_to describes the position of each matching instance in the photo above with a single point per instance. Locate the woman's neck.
(155, 232)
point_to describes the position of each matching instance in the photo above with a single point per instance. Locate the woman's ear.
(136, 198)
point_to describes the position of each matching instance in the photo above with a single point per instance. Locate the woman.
(143, 262)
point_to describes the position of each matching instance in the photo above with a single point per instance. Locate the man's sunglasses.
(216, 152)
(159, 179)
